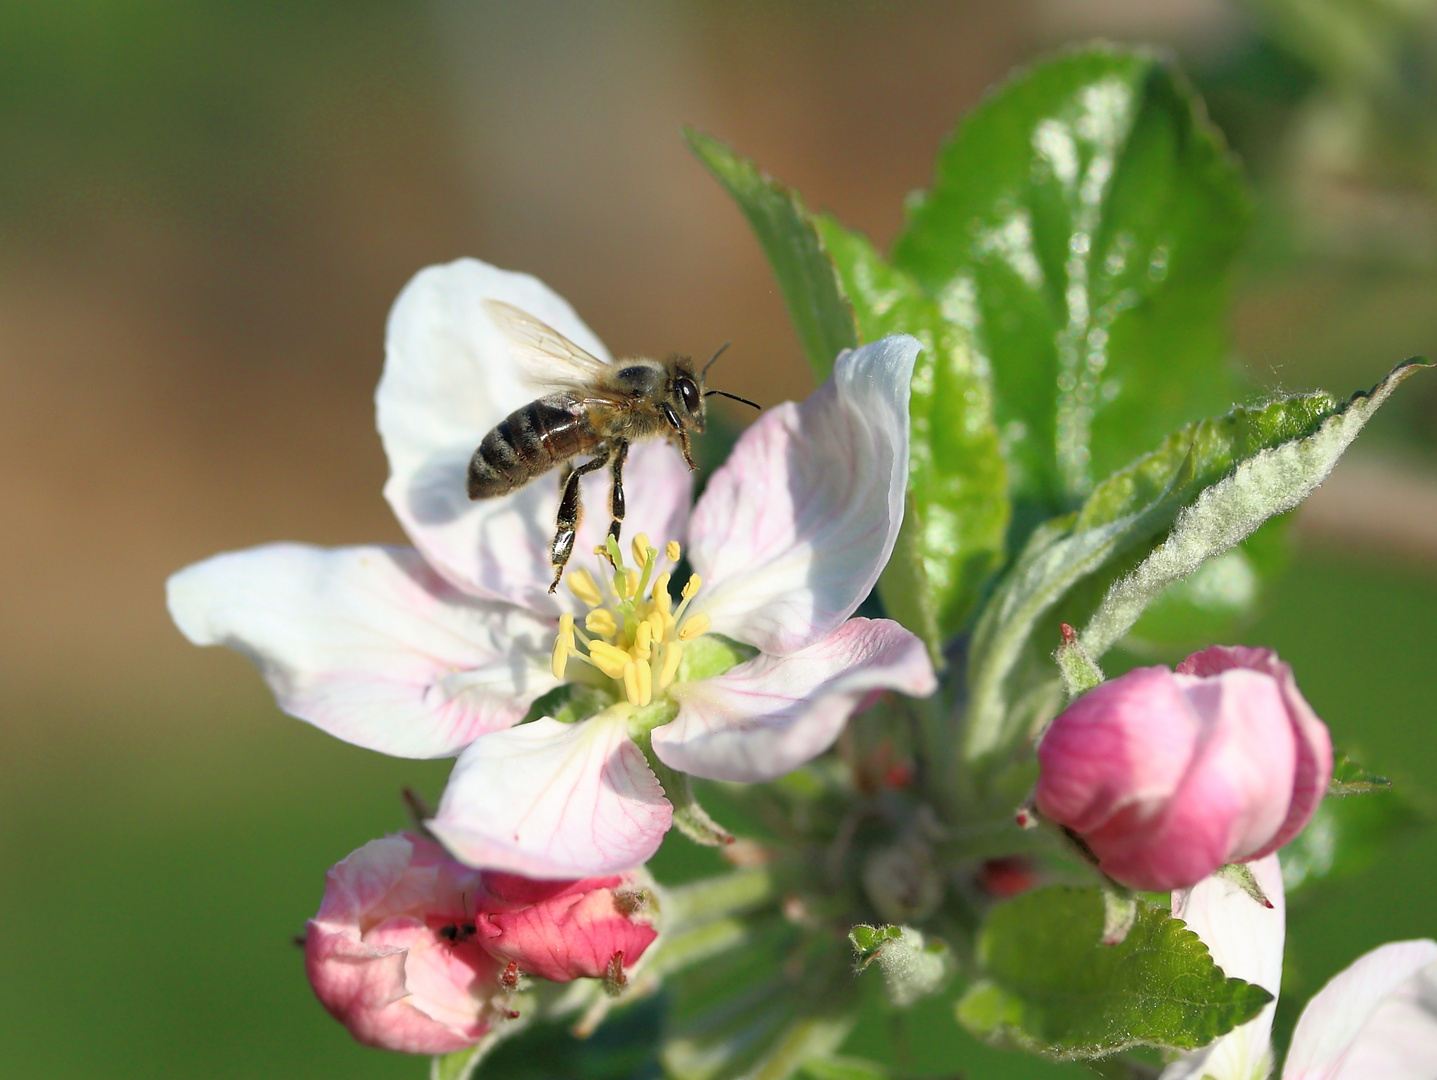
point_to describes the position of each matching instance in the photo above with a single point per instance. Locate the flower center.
(632, 633)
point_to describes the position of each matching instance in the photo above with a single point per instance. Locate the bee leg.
(616, 491)
(570, 510)
(684, 447)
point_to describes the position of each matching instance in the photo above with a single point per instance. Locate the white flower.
(443, 648)
(1375, 1020)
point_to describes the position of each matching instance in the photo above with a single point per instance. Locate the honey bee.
(595, 407)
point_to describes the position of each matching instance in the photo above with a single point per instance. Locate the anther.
(608, 658)
(694, 626)
(582, 585)
(641, 548)
(692, 586)
(673, 551)
(656, 626)
(631, 583)
(643, 638)
(662, 600)
(631, 681)
(673, 651)
(561, 656)
(644, 679)
(601, 621)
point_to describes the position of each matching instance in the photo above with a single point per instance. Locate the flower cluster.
(720, 642)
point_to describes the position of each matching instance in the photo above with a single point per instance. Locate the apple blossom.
(1166, 776)
(413, 951)
(1376, 1018)
(442, 649)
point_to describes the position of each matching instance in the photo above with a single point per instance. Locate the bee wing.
(547, 358)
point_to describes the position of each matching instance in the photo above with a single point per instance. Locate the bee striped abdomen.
(529, 442)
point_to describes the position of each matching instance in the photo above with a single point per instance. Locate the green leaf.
(1083, 223)
(1263, 484)
(1347, 836)
(956, 521)
(1350, 778)
(1148, 525)
(805, 275)
(1217, 600)
(1052, 988)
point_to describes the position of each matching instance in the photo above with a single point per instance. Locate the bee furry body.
(598, 409)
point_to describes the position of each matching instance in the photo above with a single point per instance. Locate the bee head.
(685, 408)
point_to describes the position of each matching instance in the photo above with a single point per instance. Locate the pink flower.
(1375, 1019)
(563, 930)
(1167, 776)
(415, 952)
(442, 648)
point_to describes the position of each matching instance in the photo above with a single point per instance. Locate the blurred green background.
(205, 211)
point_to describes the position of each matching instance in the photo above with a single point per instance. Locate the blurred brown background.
(206, 210)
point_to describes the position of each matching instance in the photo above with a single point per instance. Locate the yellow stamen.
(631, 681)
(673, 551)
(641, 548)
(631, 583)
(608, 659)
(584, 587)
(601, 621)
(672, 653)
(561, 656)
(656, 626)
(644, 678)
(643, 638)
(661, 594)
(694, 626)
(692, 586)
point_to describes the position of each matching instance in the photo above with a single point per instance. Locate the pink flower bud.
(564, 930)
(414, 951)
(1168, 775)
(393, 955)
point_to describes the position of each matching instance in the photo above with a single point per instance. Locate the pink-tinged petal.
(1313, 768)
(1245, 939)
(1376, 1019)
(369, 644)
(1127, 743)
(552, 800)
(770, 714)
(446, 981)
(360, 944)
(1226, 805)
(575, 932)
(792, 532)
(450, 375)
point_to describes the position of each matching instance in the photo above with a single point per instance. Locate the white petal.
(1245, 940)
(450, 374)
(552, 800)
(369, 644)
(792, 532)
(1375, 1019)
(771, 714)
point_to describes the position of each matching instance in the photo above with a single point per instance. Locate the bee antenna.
(735, 397)
(714, 357)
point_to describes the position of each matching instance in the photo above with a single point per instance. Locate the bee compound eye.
(690, 393)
